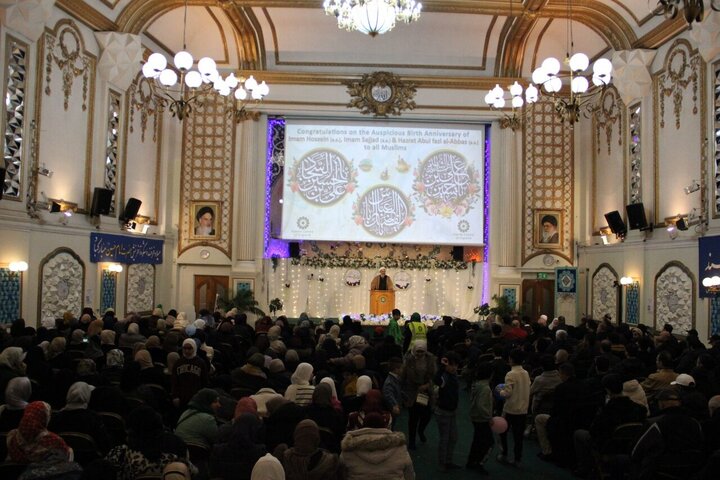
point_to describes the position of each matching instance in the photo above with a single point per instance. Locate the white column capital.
(631, 72)
(26, 17)
(120, 58)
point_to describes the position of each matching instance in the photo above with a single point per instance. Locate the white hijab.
(268, 468)
(330, 382)
(303, 374)
(363, 385)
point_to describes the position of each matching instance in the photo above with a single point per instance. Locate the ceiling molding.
(514, 37)
(663, 33)
(86, 14)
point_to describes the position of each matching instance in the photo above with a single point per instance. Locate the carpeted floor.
(426, 464)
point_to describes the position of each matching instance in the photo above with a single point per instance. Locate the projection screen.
(383, 182)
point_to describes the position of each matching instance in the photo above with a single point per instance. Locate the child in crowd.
(516, 392)
(481, 405)
(392, 388)
(446, 408)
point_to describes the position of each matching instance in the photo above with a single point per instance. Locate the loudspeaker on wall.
(458, 253)
(131, 209)
(636, 216)
(616, 223)
(101, 201)
(294, 249)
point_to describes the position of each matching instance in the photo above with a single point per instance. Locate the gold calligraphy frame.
(195, 208)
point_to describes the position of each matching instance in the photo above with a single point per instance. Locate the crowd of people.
(161, 397)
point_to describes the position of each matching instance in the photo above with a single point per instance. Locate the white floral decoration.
(141, 288)
(604, 297)
(62, 286)
(674, 299)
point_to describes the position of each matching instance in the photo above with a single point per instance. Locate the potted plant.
(244, 301)
(275, 305)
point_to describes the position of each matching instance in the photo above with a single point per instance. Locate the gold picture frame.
(547, 229)
(200, 229)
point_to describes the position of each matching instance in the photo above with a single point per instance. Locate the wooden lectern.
(381, 301)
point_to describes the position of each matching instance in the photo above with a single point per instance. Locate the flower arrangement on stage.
(384, 319)
(420, 262)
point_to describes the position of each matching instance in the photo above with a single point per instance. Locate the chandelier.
(182, 86)
(580, 100)
(372, 17)
(495, 99)
(693, 10)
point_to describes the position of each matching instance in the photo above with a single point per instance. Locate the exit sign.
(543, 275)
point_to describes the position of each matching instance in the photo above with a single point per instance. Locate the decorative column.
(120, 57)
(250, 214)
(505, 146)
(26, 17)
(631, 73)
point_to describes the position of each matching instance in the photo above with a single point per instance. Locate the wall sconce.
(114, 268)
(66, 208)
(712, 284)
(44, 171)
(17, 267)
(625, 281)
(693, 187)
(604, 234)
(672, 232)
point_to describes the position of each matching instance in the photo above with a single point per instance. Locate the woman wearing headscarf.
(149, 373)
(154, 346)
(235, 458)
(17, 396)
(356, 345)
(280, 423)
(278, 377)
(197, 424)
(416, 378)
(326, 417)
(31, 441)
(149, 447)
(114, 363)
(76, 341)
(11, 365)
(334, 400)
(372, 403)
(107, 340)
(375, 452)
(76, 417)
(250, 377)
(189, 374)
(268, 468)
(306, 460)
(95, 328)
(353, 402)
(133, 336)
(38, 370)
(300, 391)
(57, 356)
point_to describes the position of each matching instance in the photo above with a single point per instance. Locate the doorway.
(208, 290)
(538, 298)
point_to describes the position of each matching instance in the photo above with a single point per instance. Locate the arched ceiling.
(462, 39)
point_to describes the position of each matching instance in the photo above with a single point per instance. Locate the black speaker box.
(131, 209)
(294, 249)
(616, 223)
(636, 216)
(101, 201)
(458, 254)
(2, 182)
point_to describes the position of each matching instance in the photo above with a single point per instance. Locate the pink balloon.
(499, 425)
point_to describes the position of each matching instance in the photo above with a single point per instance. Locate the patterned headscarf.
(13, 358)
(31, 441)
(115, 358)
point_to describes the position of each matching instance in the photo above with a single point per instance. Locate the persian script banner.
(105, 247)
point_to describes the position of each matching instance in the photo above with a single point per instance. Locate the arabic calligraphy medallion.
(322, 177)
(446, 185)
(383, 211)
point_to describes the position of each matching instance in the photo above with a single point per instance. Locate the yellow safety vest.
(418, 330)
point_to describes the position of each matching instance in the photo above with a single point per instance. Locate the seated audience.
(17, 396)
(306, 460)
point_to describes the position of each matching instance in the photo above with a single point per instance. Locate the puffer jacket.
(376, 453)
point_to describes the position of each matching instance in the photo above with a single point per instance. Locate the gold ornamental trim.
(382, 94)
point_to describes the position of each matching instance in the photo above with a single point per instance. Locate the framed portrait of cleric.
(204, 221)
(242, 285)
(547, 229)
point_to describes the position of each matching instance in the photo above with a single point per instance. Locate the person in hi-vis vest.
(414, 330)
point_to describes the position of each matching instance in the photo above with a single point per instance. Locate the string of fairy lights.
(324, 293)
